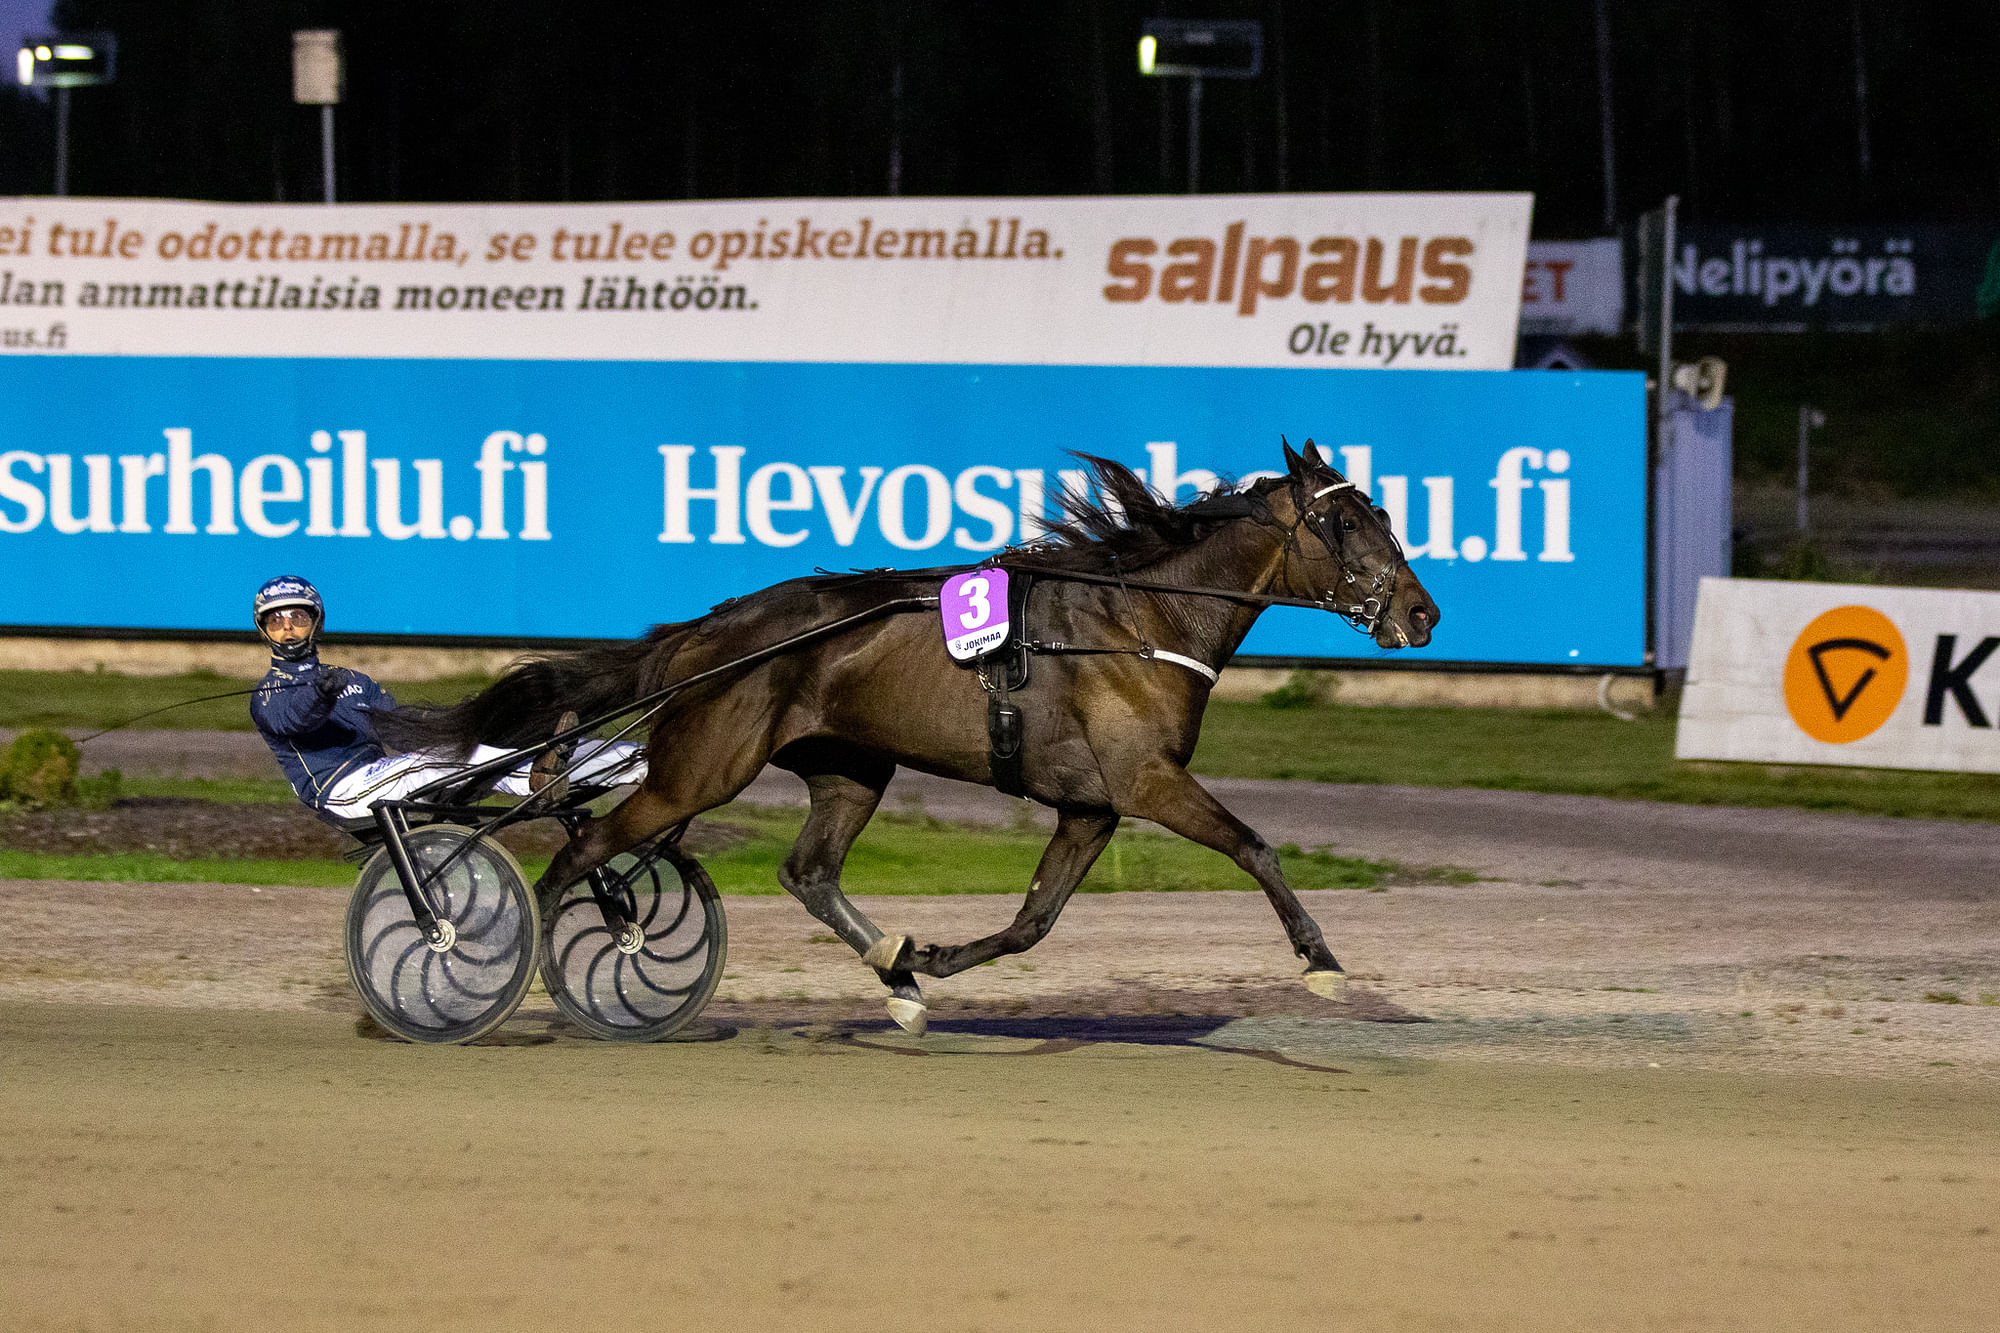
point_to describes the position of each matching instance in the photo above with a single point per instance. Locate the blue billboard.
(540, 500)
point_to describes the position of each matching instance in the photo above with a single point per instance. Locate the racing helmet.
(289, 590)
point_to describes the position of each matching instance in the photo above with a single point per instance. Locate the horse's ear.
(1293, 463)
(1312, 456)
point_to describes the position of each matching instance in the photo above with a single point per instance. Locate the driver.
(317, 721)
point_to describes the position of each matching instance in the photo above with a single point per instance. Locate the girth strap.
(1001, 672)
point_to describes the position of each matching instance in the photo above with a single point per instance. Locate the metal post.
(326, 147)
(1809, 418)
(896, 131)
(1805, 434)
(1284, 144)
(1657, 451)
(1194, 135)
(1607, 141)
(1667, 219)
(1861, 96)
(62, 141)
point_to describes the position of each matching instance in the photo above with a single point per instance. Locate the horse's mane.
(1129, 526)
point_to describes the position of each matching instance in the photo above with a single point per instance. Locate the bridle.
(1371, 600)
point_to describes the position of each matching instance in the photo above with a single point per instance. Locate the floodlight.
(1201, 48)
(317, 73)
(69, 60)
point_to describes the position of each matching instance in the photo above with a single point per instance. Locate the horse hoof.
(1328, 985)
(883, 953)
(912, 1017)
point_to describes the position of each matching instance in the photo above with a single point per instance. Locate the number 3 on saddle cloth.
(979, 609)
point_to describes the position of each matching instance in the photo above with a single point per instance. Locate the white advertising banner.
(1573, 287)
(1822, 673)
(1417, 281)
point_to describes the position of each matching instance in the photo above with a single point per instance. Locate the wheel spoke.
(592, 992)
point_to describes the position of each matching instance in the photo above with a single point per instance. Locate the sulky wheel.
(461, 992)
(651, 972)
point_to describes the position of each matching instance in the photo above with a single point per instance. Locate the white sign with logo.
(1573, 287)
(1418, 281)
(1823, 673)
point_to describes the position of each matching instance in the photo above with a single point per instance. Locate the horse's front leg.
(1165, 793)
(1068, 857)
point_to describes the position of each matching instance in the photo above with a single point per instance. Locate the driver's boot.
(549, 773)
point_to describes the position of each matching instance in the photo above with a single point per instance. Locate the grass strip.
(155, 867)
(223, 791)
(897, 855)
(1581, 754)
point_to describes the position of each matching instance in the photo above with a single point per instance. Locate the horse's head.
(1343, 553)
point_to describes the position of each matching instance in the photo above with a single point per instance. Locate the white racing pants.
(595, 764)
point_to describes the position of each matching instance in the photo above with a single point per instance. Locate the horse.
(1132, 606)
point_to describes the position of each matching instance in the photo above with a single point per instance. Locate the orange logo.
(1845, 674)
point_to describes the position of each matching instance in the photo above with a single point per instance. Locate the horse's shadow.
(1057, 1035)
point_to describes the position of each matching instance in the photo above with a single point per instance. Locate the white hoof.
(912, 1017)
(1327, 985)
(882, 953)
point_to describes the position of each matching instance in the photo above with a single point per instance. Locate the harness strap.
(1199, 668)
(1082, 650)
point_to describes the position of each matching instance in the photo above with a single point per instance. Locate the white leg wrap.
(882, 953)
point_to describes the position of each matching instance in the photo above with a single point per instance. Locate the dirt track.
(234, 1169)
(1679, 1071)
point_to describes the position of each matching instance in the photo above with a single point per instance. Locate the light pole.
(1197, 49)
(317, 75)
(63, 61)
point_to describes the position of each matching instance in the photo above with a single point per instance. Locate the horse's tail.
(523, 706)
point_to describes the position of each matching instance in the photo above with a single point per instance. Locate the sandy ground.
(1660, 1068)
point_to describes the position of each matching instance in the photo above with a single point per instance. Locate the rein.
(1186, 589)
(1364, 615)
(184, 703)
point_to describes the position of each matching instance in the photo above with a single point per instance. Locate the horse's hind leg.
(680, 783)
(842, 804)
(1067, 859)
(1164, 793)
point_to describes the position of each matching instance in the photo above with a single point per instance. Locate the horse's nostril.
(1419, 616)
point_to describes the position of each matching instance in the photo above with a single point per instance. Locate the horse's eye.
(1347, 523)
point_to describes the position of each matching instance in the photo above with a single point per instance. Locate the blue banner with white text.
(534, 499)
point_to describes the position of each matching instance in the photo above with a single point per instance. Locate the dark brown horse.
(1132, 607)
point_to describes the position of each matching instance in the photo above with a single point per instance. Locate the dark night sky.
(1750, 111)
